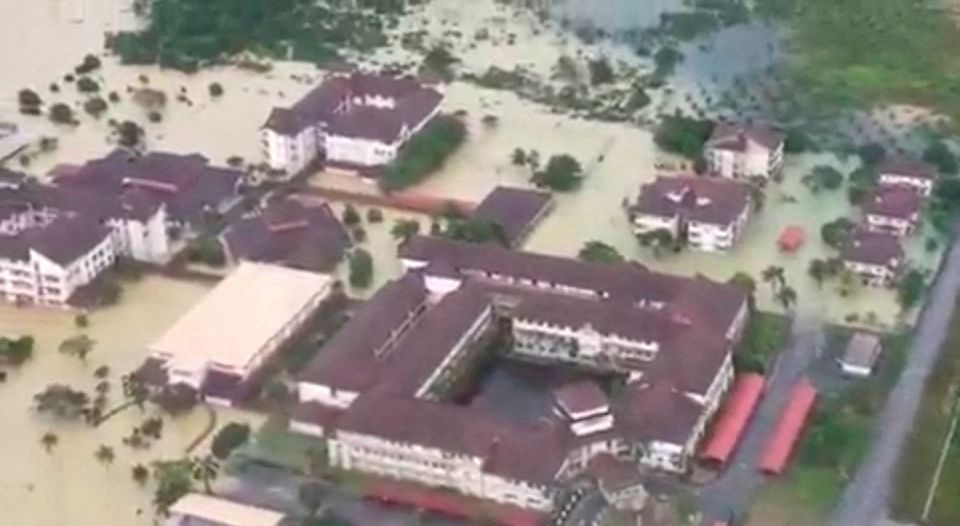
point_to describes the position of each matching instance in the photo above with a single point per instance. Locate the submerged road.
(865, 501)
(732, 491)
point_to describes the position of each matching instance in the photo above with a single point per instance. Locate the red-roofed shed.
(791, 238)
(734, 415)
(776, 452)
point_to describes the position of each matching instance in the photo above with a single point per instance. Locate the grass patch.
(766, 335)
(922, 449)
(804, 495)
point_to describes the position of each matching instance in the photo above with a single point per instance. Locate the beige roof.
(240, 315)
(862, 350)
(225, 512)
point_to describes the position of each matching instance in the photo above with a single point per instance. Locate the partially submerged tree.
(598, 251)
(562, 173)
(229, 438)
(361, 268)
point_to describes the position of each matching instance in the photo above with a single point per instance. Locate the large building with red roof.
(379, 391)
(356, 121)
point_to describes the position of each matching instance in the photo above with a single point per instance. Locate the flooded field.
(67, 485)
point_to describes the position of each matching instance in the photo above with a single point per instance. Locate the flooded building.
(218, 345)
(189, 189)
(46, 262)
(517, 211)
(197, 509)
(387, 377)
(906, 172)
(290, 233)
(744, 150)
(892, 210)
(351, 122)
(710, 214)
(876, 257)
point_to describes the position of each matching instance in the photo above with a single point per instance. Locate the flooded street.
(68, 485)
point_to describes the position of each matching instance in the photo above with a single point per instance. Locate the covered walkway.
(734, 415)
(779, 445)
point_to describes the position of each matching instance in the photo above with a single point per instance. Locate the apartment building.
(709, 213)
(876, 257)
(743, 150)
(892, 210)
(907, 172)
(352, 122)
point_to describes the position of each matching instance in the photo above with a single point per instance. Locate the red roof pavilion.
(734, 415)
(776, 452)
(791, 238)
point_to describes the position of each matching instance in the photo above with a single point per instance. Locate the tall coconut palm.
(205, 470)
(49, 440)
(105, 455)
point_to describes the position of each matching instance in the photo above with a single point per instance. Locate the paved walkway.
(866, 498)
(733, 491)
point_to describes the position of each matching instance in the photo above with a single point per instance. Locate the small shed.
(791, 238)
(860, 355)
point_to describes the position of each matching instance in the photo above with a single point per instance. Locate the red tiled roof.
(703, 199)
(873, 248)
(729, 136)
(513, 209)
(733, 418)
(895, 202)
(791, 238)
(776, 451)
(907, 167)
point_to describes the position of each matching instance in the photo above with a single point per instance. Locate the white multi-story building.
(352, 123)
(744, 150)
(45, 263)
(710, 214)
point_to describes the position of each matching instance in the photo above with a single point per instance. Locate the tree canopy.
(361, 268)
(229, 438)
(600, 252)
(836, 233)
(562, 173)
(683, 136)
(425, 153)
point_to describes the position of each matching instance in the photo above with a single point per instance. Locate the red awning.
(734, 414)
(777, 450)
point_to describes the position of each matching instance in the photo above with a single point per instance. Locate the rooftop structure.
(892, 210)
(288, 232)
(733, 418)
(907, 172)
(357, 120)
(710, 213)
(741, 150)
(780, 443)
(234, 329)
(515, 210)
(861, 354)
(186, 185)
(389, 372)
(877, 257)
(791, 238)
(197, 509)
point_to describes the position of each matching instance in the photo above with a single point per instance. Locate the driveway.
(734, 489)
(865, 500)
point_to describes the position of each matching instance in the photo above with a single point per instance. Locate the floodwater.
(68, 485)
(616, 15)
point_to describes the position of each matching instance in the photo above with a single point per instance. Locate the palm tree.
(104, 455)
(774, 275)
(134, 390)
(49, 440)
(787, 297)
(140, 474)
(206, 469)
